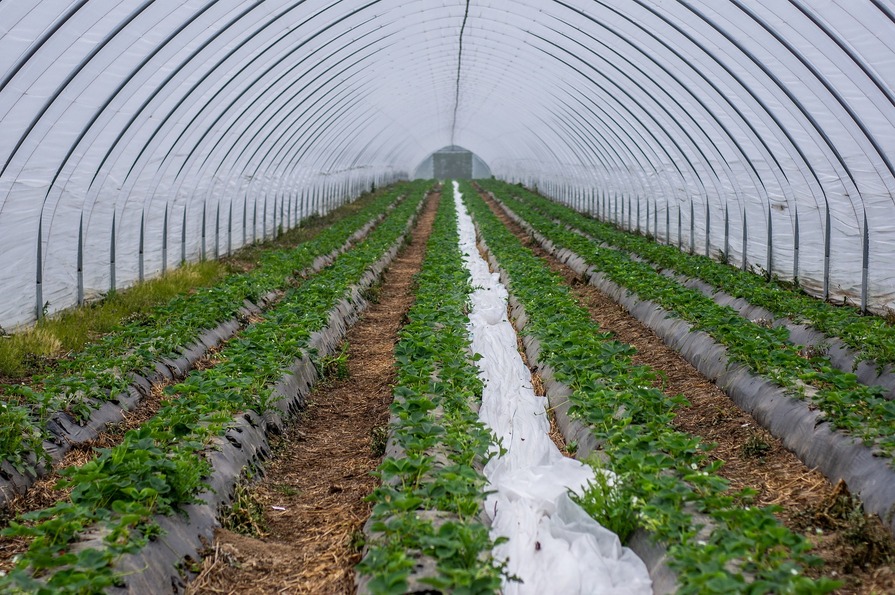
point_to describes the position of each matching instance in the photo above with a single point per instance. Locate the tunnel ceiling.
(122, 117)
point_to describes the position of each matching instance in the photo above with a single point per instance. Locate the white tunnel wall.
(244, 114)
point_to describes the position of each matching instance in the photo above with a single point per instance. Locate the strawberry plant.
(101, 371)
(670, 482)
(431, 495)
(861, 411)
(159, 467)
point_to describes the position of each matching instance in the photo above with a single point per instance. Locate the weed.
(378, 440)
(335, 366)
(245, 515)
(285, 489)
(373, 293)
(609, 499)
(755, 446)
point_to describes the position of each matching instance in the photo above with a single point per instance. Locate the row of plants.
(102, 370)
(665, 483)
(872, 336)
(432, 490)
(859, 410)
(160, 467)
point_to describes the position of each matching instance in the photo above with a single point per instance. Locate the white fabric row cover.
(124, 118)
(553, 546)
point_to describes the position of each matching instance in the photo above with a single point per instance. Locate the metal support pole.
(81, 260)
(140, 249)
(165, 241)
(264, 220)
(708, 230)
(245, 219)
(692, 227)
(770, 264)
(795, 250)
(39, 279)
(217, 230)
(254, 221)
(827, 241)
(638, 214)
(745, 238)
(183, 238)
(726, 234)
(204, 217)
(112, 256)
(647, 217)
(865, 265)
(680, 233)
(230, 230)
(668, 223)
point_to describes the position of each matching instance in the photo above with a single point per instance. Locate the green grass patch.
(23, 353)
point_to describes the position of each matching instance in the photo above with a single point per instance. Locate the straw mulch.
(312, 495)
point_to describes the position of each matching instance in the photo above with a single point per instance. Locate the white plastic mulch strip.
(553, 545)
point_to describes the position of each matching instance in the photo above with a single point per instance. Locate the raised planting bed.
(854, 342)
(425, 533)
(825, 416)
(94, 389)
(139, 508)
(716, 541)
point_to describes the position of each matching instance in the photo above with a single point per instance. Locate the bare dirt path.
(310, 506)
(854, 548)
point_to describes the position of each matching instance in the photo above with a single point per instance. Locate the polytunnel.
(542, 296)
(138, 135)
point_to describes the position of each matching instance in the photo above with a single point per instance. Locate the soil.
(855, 548)
(311, 503)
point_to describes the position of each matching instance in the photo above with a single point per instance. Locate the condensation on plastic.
(553, 545)
(229, 112)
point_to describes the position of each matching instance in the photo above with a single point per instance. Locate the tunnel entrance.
(452, 162)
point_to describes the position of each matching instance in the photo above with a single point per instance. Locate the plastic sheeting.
(553, 545)
(199, 125)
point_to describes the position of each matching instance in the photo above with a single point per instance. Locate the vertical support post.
(638, 214)
(141, 247)
(204, 217)
(680, 232)
(112, 257)
(865, 265)
(230, 230)
(745, 238)
(726, 234)
(828, 232)
(39, 277)
(217, 230)
(668, 223)
(81, 260)
(165, 241)
(692, 227)
(264, 220)
(245, 218)
(708, 230)
(183, 238)
(656, 220)
(770, 263)
(795, 250)
(615, 214)
(630, 225)
(254, 221)
(647, 216)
